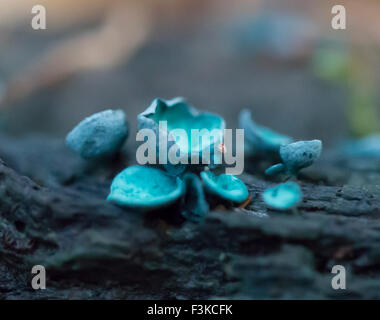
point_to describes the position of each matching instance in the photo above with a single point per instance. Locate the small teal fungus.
(145, 188)
(300, 154)
(283, 197)
(177, 114)
(101, 134)
(296, 156)
(195, 206)
(225, 186)
(259, 139)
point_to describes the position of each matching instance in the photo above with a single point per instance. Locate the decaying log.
(58, 217)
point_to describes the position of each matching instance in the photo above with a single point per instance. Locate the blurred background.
(281, 59)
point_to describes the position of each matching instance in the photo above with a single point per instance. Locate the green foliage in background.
(333, 62)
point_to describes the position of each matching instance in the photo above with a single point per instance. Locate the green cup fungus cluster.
(148, 188)
(294, 155)
(193, 186)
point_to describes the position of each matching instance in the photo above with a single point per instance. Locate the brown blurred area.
(98, 54)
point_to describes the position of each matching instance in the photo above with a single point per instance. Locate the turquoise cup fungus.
(296, 156)
(283, 197)
(99, 135)
(174, 122)
(145, 188)
(259, 139)
(225, 186)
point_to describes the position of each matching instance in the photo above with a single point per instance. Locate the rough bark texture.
(53, 213)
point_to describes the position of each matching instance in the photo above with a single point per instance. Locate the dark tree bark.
(58, 217)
